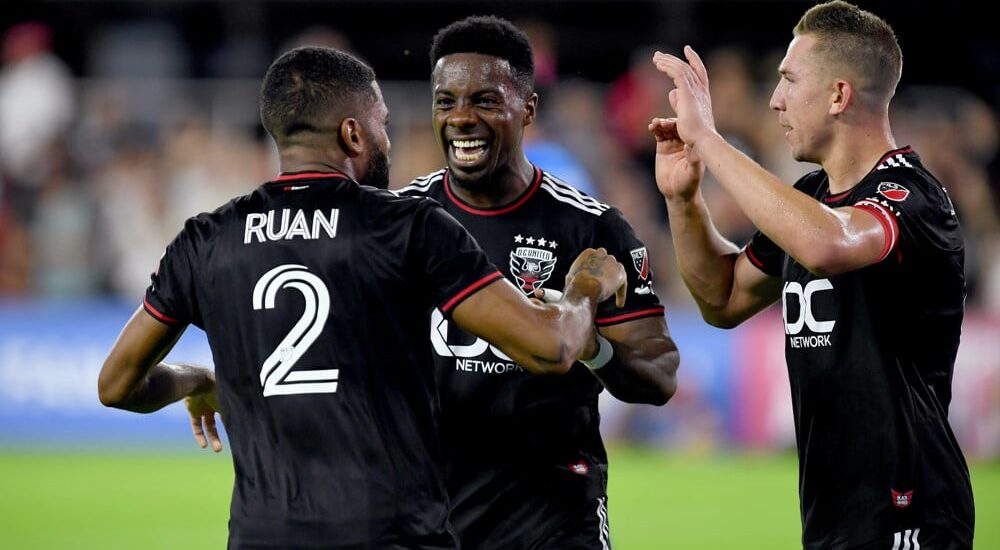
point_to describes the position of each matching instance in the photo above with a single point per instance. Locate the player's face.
(377, 169)
(802, 100)
(479, 115)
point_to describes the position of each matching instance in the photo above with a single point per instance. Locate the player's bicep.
(872, 234)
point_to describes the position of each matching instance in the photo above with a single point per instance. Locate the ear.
(350, 137)
(530, 108)
(842, 97)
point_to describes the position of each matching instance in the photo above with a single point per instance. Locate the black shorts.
(920, 538)
(589, 531)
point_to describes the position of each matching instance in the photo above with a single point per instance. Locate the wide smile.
(468, 152)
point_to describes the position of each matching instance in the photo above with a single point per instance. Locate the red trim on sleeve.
(888, 221)
(653, 311)
(469, 290)
(535, 185)
(753, 259)
(156, 313)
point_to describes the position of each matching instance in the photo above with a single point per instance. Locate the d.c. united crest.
(531, 267)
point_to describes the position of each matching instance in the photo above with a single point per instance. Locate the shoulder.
(393, 204)
(206, 224)
(564, 193)
(902, 178)
(424, 184)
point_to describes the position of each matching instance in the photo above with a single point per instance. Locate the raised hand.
(678, 168)
(690, 99)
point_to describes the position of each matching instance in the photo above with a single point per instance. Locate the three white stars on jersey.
(519, 239)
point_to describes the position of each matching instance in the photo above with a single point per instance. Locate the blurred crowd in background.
(109, 143)
(99, 170)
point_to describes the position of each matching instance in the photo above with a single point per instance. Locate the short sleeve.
(764, 254)
(615, 235)
(452, 264)
(170, 298)
(909, 209)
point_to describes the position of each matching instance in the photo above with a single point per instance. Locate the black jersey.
(524, 453)
(870, 356)
(314, 293)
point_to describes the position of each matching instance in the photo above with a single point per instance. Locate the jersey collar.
(309, 175)
(517, 203)
(905, 150)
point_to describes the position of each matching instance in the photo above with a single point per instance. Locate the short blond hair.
(859, 40)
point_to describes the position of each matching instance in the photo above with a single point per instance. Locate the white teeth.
(468, 144)
(469, 157)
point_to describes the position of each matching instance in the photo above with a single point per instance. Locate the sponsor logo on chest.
(796, 296)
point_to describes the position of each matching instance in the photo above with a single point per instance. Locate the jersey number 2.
(277, 375)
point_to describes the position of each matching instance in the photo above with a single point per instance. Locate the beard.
(377, 174)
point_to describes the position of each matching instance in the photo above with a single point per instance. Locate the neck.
(855, 152)
(296, 159)
(498, 188)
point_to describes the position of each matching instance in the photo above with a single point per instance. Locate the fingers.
(213, 433)
(663, 129)
(198, 431)
(696, 64)
(621, 293)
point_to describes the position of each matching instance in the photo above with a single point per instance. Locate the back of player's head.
(860, 40)
(306, 85)
(489, 35)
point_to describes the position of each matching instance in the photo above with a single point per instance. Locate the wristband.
(603, 356)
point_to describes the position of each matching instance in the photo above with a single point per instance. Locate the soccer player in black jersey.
(526, 466)
(866, 255)
(314, 291)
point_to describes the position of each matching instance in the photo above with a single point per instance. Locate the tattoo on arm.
(594, 265)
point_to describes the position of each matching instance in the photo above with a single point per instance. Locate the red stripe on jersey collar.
(312, 175)
(494, 211)
(834, 198)
(902, 150)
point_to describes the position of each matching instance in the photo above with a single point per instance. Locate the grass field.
(657, 501)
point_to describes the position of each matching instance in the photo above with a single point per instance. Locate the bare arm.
(825, 241)
(134, 379)
(726, 286)
(644, 366)
(544, 338)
